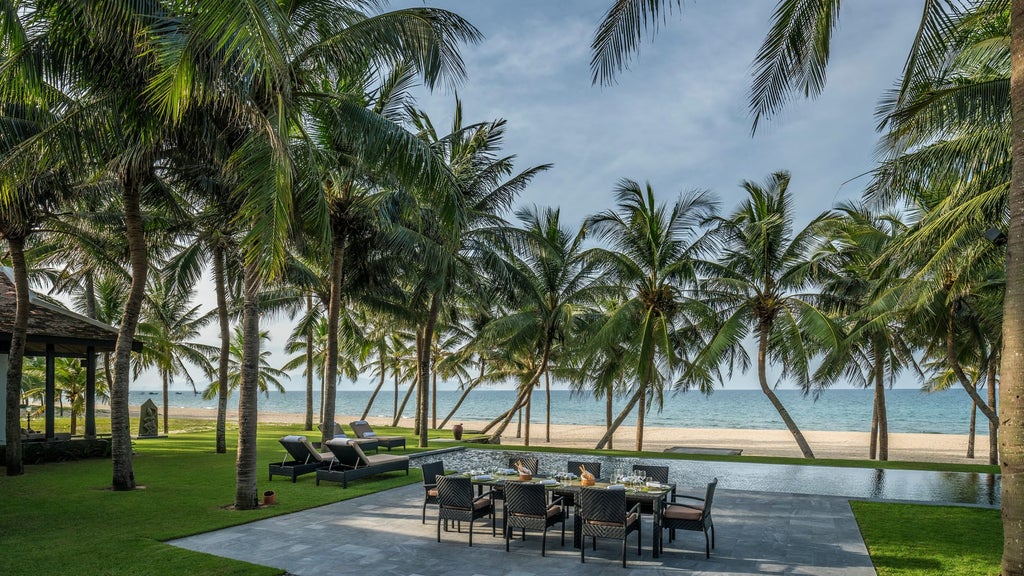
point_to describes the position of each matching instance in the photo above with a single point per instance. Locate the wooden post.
(90, 392)
(51, 389)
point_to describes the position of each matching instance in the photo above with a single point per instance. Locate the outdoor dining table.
(655, 496)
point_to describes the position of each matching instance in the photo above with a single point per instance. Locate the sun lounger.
(305, 458)
(351, 463)
(366, 444)
(363, 430)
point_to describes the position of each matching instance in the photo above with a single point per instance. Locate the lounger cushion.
(481, 503)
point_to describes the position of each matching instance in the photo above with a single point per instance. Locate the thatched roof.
(49, 323)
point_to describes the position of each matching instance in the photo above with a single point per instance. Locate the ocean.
(909, 410)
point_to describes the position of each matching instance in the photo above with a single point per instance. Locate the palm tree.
(793, 61)
(450, 228)
(69, 380)
(168, 329)
(550, 282)
(864, 293)
(287, 75)
(269, 377)
(761, 281)
(651, 259)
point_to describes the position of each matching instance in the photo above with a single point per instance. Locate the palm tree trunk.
(120, 422)
(993, 432)
(641, 410)
(608, 415)
(401, 410)
(958, 370)
(547, 406)
(419, 378)
(972, 429)
(433, 392)
(1011, 389)
(428, 339)
(333, 316)
(74, 421)
(246, 493)
(464, 394)
(164, 381)
(873, 441)
(526, 422)
(309, 366)
(395, 409)
(15, 360)
(369, 403)
(220, 285)
(883, 415)
(762, 354)
(524, 392)
(607, 438)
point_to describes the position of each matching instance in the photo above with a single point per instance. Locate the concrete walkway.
(381, 534)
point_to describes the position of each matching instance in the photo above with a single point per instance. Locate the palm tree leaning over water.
(760, 281)
(651, 256)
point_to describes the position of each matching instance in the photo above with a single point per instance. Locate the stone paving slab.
(381, 535)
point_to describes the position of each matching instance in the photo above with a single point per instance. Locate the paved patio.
(381, 534)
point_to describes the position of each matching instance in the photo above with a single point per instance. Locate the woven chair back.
(431, 470)
(709, 496)
(530, 462)
(525, 499)
(657, 473)
(454, 492)
(592, 467)
(603, 505)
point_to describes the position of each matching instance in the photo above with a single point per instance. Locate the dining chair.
(431, 470)
(657, 474)
(603, 514)
(455, 501)
(530, 462)
(592, 467)
(526, 508)
(695, 516)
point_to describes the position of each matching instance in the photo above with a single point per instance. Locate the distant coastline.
(909, 410)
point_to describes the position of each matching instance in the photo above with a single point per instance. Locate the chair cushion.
(432, 492)
(482, 503)
(554, 511)
(682, 513)
(629, 520)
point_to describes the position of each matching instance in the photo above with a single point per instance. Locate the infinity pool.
(868, 483)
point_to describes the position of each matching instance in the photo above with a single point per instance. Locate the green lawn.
(913, 539)
(60, 518)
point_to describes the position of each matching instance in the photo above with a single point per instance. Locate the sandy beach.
(825, 444)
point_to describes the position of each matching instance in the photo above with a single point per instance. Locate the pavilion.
(54, 331)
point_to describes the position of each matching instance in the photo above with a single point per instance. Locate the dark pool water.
(912, 485)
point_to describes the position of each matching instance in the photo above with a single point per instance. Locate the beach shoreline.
(911, 447)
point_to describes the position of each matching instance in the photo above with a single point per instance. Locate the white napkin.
(654, 484)
(549, 482)
(483, 477)
(617, 487)
(510, 471)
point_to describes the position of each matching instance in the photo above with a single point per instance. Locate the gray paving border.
(381, 535)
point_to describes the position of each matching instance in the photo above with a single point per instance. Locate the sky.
(677, 118)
